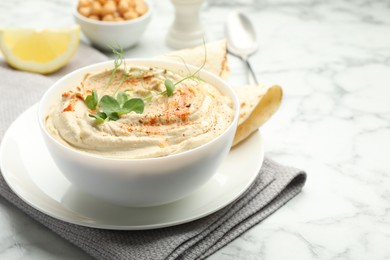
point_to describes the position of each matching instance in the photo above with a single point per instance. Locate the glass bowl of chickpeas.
(109, 23)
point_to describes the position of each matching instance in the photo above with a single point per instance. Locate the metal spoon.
(241, 38)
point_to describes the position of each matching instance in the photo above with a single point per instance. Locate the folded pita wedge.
(216, 57)
(257, 103)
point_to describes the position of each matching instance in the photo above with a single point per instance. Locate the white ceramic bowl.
(138, 182)
(106, 35)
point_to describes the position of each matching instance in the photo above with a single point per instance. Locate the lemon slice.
(40, 51)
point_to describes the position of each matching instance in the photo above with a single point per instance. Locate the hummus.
(195, 114)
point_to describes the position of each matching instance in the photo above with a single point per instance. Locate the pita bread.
(216, 57)
(257, 103)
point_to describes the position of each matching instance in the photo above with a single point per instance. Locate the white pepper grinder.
(186, 30)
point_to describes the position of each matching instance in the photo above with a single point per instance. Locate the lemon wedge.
(40, 51)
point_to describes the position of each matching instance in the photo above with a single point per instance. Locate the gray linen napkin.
(274, 186)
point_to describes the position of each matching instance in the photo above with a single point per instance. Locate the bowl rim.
(41, 116)
(116, 23)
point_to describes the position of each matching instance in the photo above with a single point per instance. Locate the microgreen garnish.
(118, 60)
(100, 117)
(92, 100)
(122, 97)
(135, 104)
(170, 87)
(112, 107)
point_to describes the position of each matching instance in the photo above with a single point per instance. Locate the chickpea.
(108, 18)
(102, 2)
(85, 11)
(96, 9)
(94, 17)
(130, 15)
(109, 7)
(131, 3)
(83, 3)
(119, 19)
(141, 8)
(123, 6)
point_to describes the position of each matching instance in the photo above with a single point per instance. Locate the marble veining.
(333, 60)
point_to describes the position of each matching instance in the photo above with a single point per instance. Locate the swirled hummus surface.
(195, 114)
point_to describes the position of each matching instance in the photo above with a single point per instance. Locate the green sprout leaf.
(92, 100)
(135, 104)
(170, 87)
(109, 105)
(122, 97)
(100, 117)
(114, 116)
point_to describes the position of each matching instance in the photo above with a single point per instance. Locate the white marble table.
(333, 60)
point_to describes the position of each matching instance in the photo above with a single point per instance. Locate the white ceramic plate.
(32, 174)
